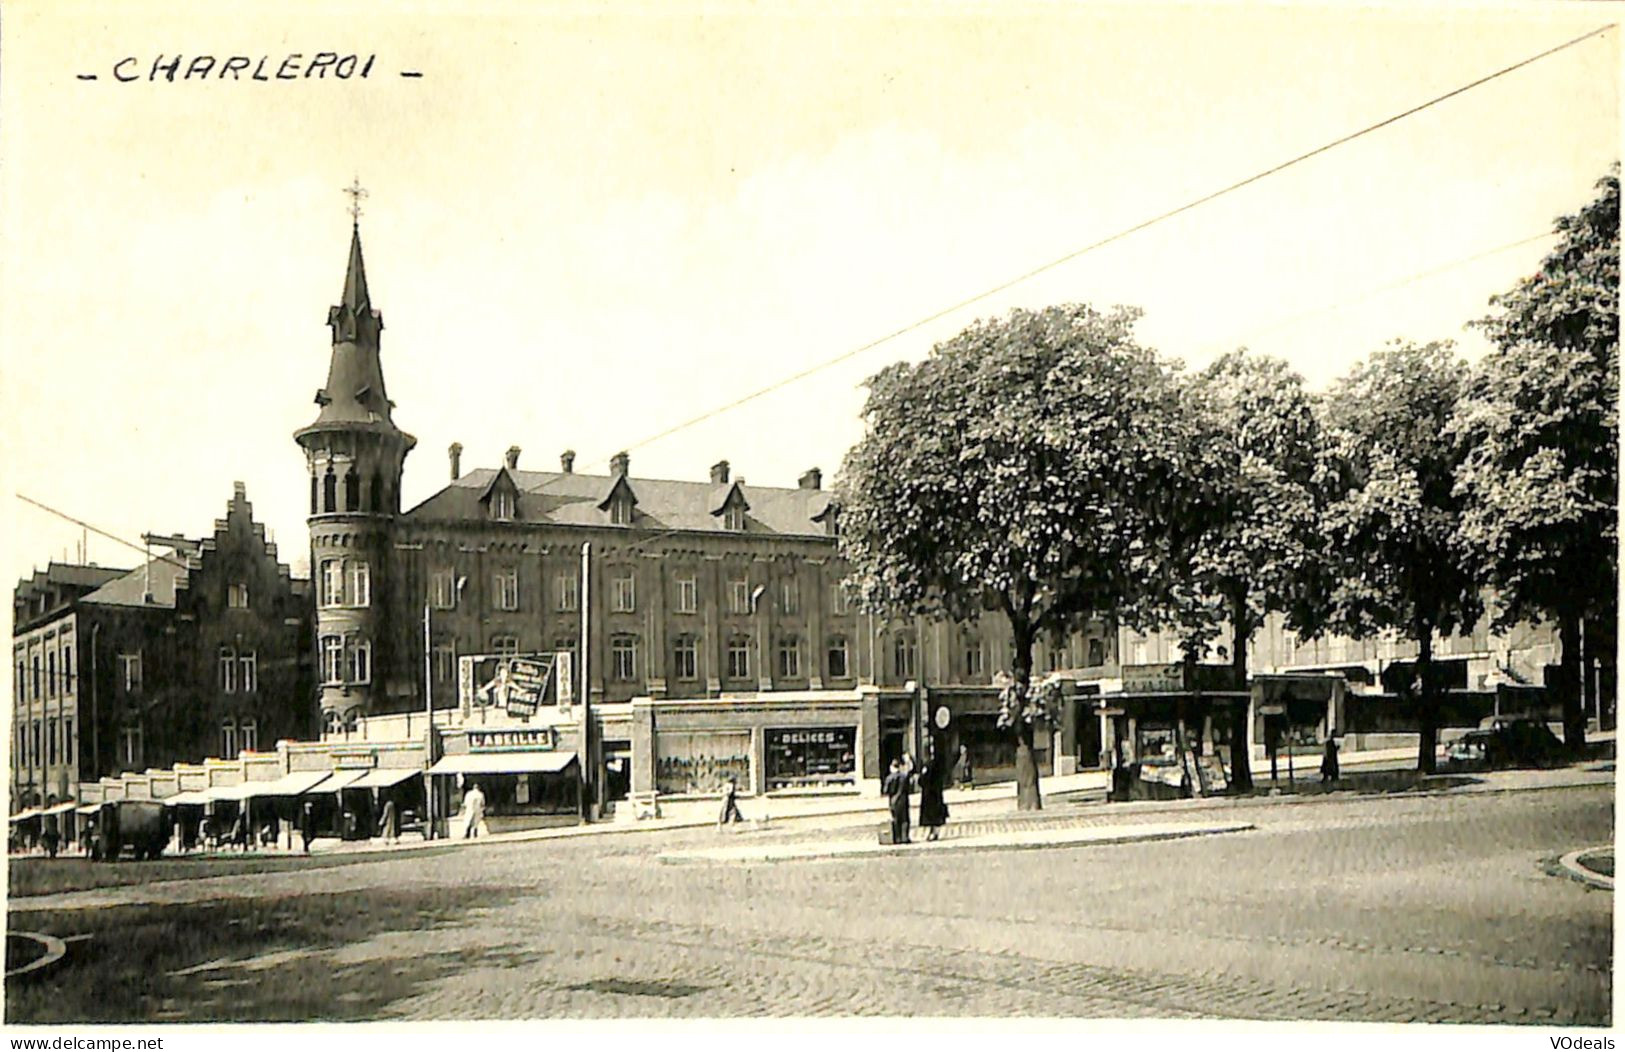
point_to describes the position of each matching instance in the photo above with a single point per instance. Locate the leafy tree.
(1250, 544)
(1540, 480)
(1391, 521)
(1018, 468)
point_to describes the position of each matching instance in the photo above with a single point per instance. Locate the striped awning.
(59, 809)
(25, 814)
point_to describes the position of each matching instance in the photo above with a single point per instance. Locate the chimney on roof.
(455, 451)
(619, 463)
(567, 461)
(239, 491)
(513, 458)
(719, 471)
(812, 478)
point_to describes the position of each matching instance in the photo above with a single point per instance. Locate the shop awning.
(504, 763)
(341, 780)
(296, 784)
(385, 777)
(191, 796)
(59, 809)
(25, 814)
(227, 792)
(87, 809)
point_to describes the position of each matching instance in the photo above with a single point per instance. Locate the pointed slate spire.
(354, 391)
(355, 279)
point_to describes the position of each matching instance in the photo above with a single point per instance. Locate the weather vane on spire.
(356, 194)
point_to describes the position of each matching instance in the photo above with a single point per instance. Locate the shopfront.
(1173, 745)
(810, 757)
(527, 776)
(689, 763)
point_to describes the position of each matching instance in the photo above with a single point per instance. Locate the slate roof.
(130, 589)
(551, 497)
(69, 574)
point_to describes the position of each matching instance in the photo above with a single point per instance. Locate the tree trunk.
(1241, 769)
(1427, 706)
(1568, 687)
(1028, 797)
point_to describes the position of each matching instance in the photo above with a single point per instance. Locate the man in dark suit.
(896, 787)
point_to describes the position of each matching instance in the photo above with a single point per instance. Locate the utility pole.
(428, 729)
(587, 798)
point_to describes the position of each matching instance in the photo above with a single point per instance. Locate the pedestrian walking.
(307, 824)
(1329, 769)
(730, 803)
(964, 767)
(896, 787)
(933, 808)
(51, 839)
(389, 824)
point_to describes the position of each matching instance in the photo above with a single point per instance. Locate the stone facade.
(203, 650)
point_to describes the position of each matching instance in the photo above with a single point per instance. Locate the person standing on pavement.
(896, 788)
(474, 805)
(933, 808)
(307, 824)
(1329, 770)
(964, 767)
(730, 803)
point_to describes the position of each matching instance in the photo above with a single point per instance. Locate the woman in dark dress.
(933, 808)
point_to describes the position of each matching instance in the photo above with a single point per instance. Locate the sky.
(588, 223)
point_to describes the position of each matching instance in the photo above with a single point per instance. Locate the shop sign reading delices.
(513, 739)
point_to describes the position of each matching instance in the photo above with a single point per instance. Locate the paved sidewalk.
(1012, 840)
(1060, 792)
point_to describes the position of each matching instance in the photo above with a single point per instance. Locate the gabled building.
(203, 650)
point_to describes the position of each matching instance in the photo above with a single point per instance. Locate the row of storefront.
(1158, 736)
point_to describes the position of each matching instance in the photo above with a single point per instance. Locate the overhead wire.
(1112, 238)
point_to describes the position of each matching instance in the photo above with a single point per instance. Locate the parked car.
(1507, 741)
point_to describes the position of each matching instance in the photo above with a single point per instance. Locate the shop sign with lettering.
(513, 739)
(351, 761)
(1149, 679)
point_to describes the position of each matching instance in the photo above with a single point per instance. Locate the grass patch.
(1599, 862)
(47, 876)
(239, 960)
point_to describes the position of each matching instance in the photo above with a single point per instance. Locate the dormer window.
(502, 506)
(733, 518)
(620, 512)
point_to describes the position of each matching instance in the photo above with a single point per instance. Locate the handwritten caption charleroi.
(322, 65)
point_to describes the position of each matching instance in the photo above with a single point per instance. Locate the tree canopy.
(1540, 478)
(1392, 510)
(1019, 468)
(1252, 539)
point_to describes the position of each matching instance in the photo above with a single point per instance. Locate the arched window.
(332, 722)
(352, 490)
(228, 738)
(250, 732)
(330, 491)
(375, 492)
(315, 489)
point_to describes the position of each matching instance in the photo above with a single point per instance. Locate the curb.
(1571, 866)
(55, 949)
(950, 847)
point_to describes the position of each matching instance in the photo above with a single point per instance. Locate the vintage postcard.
(1079, 517)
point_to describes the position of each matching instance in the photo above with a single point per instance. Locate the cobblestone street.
(1437, 908)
